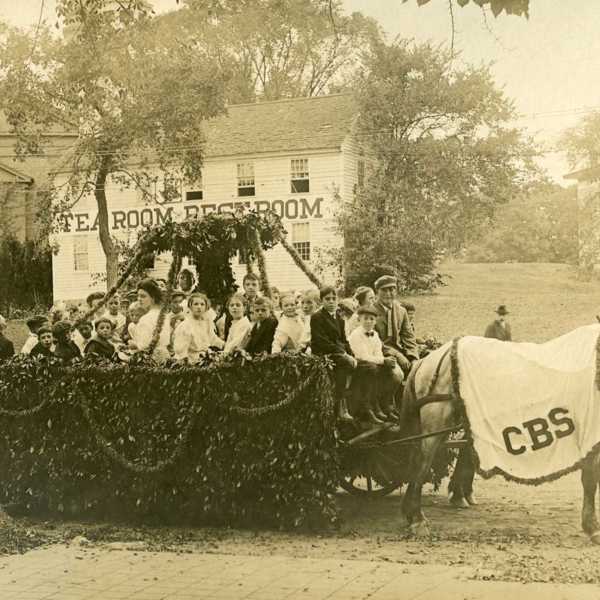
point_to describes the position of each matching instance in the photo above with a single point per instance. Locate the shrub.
(215, 444)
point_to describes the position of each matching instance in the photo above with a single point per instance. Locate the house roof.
(281, 125)
(19, 176)
(584, 174)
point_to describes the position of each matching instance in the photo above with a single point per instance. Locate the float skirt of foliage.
(225, 443)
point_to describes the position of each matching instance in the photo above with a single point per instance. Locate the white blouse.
(290, 334)
(193, 336)
(237, 333)
(142, 333)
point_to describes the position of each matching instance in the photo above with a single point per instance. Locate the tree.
(512, 7)
(442, 159)
(541, 227)
(277, 48)
(136, 103)
(582, 142)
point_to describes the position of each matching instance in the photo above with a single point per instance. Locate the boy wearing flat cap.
(499, 328)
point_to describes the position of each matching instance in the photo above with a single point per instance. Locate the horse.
(431, 407)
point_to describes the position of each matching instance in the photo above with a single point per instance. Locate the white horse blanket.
(533, 409)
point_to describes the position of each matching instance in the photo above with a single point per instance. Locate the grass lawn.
(17, 333)
(545, 301)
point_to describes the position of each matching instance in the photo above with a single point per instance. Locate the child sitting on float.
(45, 342)
(65, 347)
(113, 313)
(101, 344)
(290, 331)
(310, 305)
(195, 334)
(240, 324)
(260, 338)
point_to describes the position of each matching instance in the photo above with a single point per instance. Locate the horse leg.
(461, 482)
(590, 476)
(433, 418)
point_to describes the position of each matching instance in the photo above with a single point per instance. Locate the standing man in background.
(500, 327)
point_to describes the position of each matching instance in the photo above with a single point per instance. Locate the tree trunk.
(110, 252)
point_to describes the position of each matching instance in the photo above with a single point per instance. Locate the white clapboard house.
(292, 156)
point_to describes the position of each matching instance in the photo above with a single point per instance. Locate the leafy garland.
(221, 443)
(299, 262)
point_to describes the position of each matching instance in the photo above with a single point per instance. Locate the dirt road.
(516, 533)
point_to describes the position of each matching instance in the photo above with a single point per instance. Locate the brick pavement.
(101, 573)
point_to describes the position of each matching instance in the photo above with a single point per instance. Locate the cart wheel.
(365, 486)
(373, 473)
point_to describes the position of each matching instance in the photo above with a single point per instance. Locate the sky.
(549, 65)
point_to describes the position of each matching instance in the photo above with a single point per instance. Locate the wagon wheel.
(374, 480)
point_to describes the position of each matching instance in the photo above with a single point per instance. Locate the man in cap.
(499, 328)
(393, 324)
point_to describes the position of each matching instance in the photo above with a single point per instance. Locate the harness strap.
(420, 402)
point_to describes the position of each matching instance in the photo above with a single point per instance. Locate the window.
(301, 239)
(245, 179)
(196, 194)
(360, 173)
(80, 254)
(300, 181)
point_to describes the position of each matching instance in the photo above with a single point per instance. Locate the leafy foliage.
(541, 228)
(210, 243)
(276, 48)
(179, 444)
(26, 279)
(441, 158)
(136, 104)
(582, 142)
(512, 7)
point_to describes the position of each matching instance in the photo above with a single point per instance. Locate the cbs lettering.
(541, 432)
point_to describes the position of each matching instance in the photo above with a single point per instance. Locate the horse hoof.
(419, 529)
(595, 537)
(471, 500)
(458, 502)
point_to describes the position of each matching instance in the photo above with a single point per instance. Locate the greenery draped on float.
(233, 440)
(227, 443)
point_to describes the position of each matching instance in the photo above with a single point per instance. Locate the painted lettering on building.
(294, 208)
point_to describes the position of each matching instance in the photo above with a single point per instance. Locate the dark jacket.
(7, 348)
(67, 351)
(497, 331)
(39, 350)
(401, 337)
(328, 334)
(261, 339)
(101, 348)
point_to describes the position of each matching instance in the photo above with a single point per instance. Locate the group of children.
(312, 321)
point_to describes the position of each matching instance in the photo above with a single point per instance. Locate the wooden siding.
(272, 189)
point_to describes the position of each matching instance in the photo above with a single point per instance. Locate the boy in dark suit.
(499, 328)
(328, 338)
(261, 335)
(45, 343)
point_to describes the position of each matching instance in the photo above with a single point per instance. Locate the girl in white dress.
(240, 325)
(150, 299)
(196, 333)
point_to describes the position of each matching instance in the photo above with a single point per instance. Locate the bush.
(541, 228)
(215, 444)
(26, 276)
